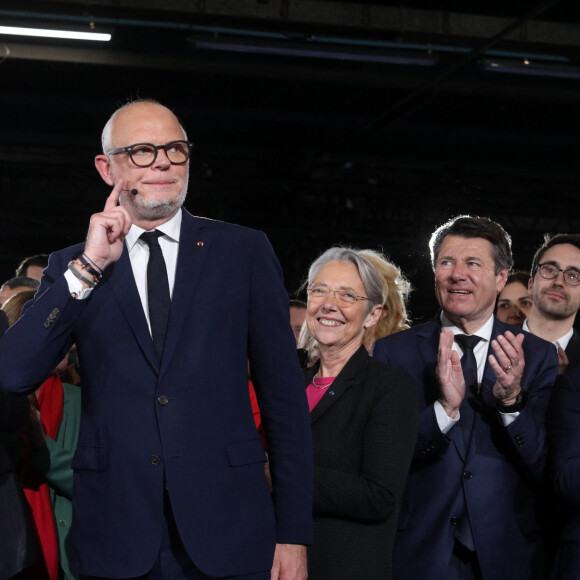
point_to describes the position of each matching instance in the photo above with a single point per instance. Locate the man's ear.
(103, 165)
(501, 279)
(531, 286)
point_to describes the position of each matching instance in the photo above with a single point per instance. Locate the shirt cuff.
(508, 418)
(75, 287)
(444, 421)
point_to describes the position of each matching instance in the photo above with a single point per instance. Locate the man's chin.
(557, 312)
(151, 210)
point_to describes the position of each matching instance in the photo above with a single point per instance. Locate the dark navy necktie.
(463, 532)
(158, 297)
(468, 362)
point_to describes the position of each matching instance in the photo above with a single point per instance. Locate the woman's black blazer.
(364, 430)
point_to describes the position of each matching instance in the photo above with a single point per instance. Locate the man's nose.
(162, 160)
(458, 271)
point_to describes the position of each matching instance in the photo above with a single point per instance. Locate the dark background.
(306, 124)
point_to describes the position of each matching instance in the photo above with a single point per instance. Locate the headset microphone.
(134, 191)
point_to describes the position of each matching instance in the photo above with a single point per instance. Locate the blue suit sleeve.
(431, 442)
(279, 386)
(31, 349)
(564, 436)
(528, 431)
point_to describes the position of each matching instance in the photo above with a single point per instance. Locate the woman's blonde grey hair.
(396, 290)
(370, 277)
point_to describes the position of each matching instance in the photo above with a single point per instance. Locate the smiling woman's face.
(330, 321)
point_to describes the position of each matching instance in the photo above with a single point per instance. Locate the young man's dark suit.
(497, 471)
(564, 448)
(184, 424)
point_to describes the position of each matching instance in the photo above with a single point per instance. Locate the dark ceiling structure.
(319, 122)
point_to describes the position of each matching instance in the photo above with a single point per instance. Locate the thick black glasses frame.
(129, 149)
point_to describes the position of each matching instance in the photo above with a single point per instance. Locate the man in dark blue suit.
(469, 509)
(564, 447)
(169, 469)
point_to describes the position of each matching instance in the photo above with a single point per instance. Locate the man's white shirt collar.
(171, 229)
(483, 332)
(562, 341)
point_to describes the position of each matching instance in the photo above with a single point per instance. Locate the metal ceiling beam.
(352, 16)
(399, 78)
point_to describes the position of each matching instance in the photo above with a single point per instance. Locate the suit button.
(155, 460)
(453, 521)
(467, 475)
(162, 400)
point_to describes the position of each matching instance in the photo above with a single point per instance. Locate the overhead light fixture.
(527, 67)
(51, 33)
(312, 50)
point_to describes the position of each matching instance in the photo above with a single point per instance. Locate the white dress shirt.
(139, 256)
(480, 351)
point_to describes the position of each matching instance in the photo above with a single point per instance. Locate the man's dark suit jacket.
(573, 350)
(564, 448)
(184, 423)
(364, 430)
(495, 475)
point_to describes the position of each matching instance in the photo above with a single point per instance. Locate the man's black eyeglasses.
(145, 154)
(549, 272)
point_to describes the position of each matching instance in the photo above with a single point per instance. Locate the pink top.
(314, 393)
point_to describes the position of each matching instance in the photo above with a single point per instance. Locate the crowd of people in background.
(443, 450)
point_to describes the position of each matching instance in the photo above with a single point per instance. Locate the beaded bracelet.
(90, 283)
(86, 264)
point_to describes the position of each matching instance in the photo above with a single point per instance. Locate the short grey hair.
(107, 134)
(371, 279)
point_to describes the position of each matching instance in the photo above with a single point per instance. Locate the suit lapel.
(429, 347)
(343, 382)
(573, 350)
(194, 245)
(122, 283)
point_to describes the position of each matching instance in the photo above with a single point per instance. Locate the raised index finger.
(113, 199)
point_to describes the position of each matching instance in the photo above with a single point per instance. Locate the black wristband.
(89, 266)
(520, 403)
